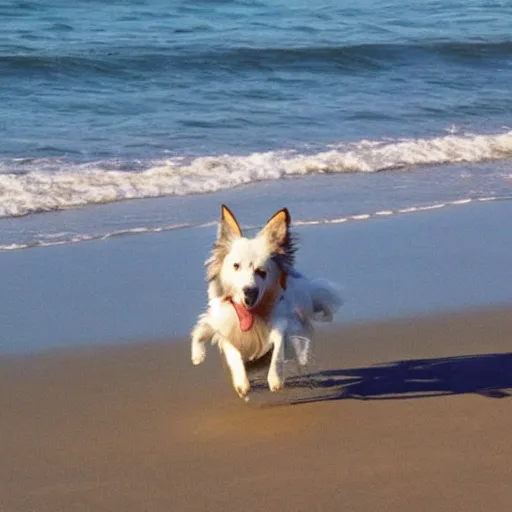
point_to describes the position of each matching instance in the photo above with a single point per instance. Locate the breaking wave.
(40, 185)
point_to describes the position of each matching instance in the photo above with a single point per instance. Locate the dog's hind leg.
(201, 334)
(275, 376)
(237, 368)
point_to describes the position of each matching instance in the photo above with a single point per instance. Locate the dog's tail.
(326, 299)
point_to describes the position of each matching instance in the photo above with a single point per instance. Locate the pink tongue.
(245, 317)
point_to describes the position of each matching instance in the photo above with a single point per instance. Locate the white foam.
(400, 211)
(28, 186)
(48, 242)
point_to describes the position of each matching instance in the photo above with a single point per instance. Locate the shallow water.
(152, 286)
(103, 102)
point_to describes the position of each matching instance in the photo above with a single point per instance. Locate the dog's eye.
(261, 272)
(236, 266)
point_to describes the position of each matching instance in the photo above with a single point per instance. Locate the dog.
(258, 304)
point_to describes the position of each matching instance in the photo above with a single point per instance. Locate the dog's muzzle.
(250, 296)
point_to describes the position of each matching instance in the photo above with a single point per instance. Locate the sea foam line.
(400, 211)
(32, 186)
(300, 223)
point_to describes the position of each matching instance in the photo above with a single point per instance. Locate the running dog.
(257, 301)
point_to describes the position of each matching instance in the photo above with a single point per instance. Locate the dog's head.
(245, 270)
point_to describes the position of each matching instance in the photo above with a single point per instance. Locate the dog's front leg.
(202, 333)
(275, 376)
(237, 368)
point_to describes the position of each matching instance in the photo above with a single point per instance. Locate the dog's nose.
(250, 296)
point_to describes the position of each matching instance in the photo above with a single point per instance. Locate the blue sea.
(132, 116)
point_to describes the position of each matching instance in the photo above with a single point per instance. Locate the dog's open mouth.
(245, 316)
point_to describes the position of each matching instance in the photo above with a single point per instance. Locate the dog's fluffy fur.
(257, 302)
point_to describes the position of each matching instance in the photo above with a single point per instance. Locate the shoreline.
(324, 330)
(152, 287)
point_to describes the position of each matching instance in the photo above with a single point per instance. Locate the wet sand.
(152, 286)
(408, 415)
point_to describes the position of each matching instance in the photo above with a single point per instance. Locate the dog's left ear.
(276, 228)
(228, 230)
(281, 242)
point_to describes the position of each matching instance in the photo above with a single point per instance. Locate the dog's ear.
(229, 229)
(229, 226)
(282, 243)
(276, 229)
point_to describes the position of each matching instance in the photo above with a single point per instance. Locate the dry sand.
(409, 415)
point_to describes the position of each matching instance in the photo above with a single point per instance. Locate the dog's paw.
(275, 382)
(242, 388)
(198, 353)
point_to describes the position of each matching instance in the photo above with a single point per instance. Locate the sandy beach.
(409, 414)
(403, 415)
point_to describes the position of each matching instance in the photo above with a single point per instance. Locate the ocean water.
(129, 116)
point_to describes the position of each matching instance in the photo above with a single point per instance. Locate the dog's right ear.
(229, 227)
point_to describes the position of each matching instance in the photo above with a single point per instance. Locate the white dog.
(257, 302)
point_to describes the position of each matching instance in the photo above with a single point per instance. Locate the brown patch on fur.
(283, 280)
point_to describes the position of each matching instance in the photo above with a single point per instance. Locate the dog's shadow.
(489, 375)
